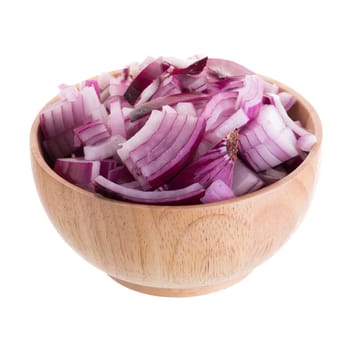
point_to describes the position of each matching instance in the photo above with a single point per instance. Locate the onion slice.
(104, 149)
(217, 191)
(267, 141)
(92, 132)
(188, 195)
(308, 139)
(221, 68)
(147, 75)
(245, 180)
(80, 172)
(192, 66)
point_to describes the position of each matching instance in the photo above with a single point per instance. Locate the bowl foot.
(179, 292)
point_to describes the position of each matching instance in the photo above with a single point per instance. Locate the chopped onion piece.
(224, 68)
(250, 96)
(148, 92)
(92, 83)
(77, 171)
(287, 99)
(305, 142)
(217, 191)
(92, 132)
(245, 179)
(294, 126)
(117, 119)
(147, 75)
(266, 141)
(104, 149)
(190, 66)
(119, 175)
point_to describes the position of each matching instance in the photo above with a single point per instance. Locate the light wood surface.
(179, 250)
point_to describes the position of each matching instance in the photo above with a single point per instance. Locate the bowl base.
(179, 292)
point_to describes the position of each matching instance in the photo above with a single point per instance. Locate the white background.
(52, 299)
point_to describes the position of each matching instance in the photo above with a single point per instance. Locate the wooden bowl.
(180, 250)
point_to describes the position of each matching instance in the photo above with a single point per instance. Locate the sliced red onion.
(220, 104)
(58, 120)
(217, 163)
(105, 149)
(294, 126)
(117, 119)
(146, 132)
(92, 83)
(169, 85)
(161, 140)
(188, 195)
(133, 184)
(69, 93)
(250, 96)
(138, 67)
(77, 171)
(104, 80)
(92, 106)
(47, 124)
(177, 155)
(287, 99)
(186, 108)
(192, 66)
(266, 141)
(224, 84)
(191, 83)
(60, 146)
(245, 180)
(147, 75)
(220, 131)
(92, 132)
(148, 92)
(119, 175)
(171, 124)
(305, 142)
(224, 68)
(270, 87)
(107, 165)
(217, 191)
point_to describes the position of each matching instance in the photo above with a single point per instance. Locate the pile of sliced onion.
(171, 131)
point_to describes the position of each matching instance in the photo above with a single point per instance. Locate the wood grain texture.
(180, 250)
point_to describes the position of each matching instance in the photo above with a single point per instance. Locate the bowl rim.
(37, 155)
